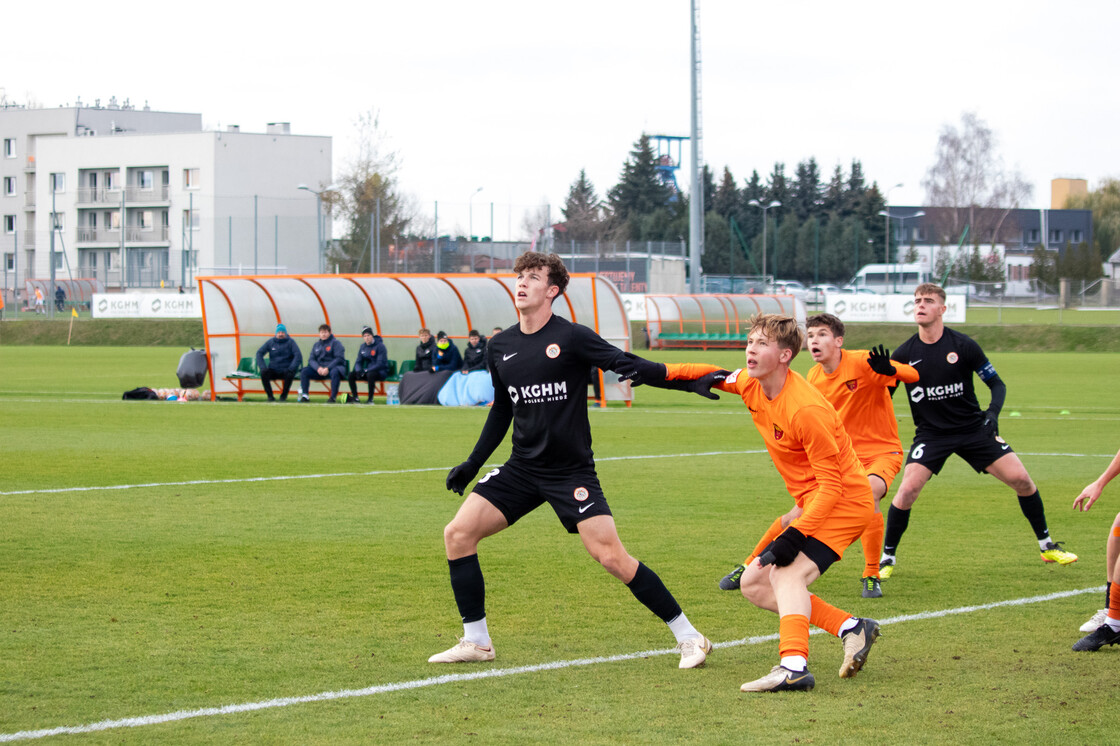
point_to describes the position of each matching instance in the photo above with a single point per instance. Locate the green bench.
(702, 340)
(247, 371)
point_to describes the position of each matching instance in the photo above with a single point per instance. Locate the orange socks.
(872, 541)
(793, 636)
(1114, 600)
(826, 616)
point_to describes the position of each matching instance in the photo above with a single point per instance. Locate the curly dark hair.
(557, 272)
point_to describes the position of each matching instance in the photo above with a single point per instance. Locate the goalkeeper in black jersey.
(540, 369)
(948, 420)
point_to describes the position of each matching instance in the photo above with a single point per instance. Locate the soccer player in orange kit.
(856, 383)
(813, 453)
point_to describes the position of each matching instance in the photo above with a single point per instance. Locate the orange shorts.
(844, 525)
(883, 465)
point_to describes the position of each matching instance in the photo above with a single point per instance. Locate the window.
(58, 220)
(91, 221)
(146, 221)
(165, 178)
(9, 147)
(111, 180)
(58, 183)
(190, 178)
(9, 224)
(1033, 235)
(1075, 236)
(190, 218)
(58, 260)
(145, 180)
(9, 186)
(113, 220)
(10, 262)
(1055, 235)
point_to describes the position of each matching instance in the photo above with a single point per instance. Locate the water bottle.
(392, 394)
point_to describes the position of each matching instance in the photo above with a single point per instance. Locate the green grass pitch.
(253, 552)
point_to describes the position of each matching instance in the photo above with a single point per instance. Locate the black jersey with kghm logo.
(540, 382)
(943, 400)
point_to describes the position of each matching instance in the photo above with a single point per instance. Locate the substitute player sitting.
(858, 384)
(948, 420)
(808, 444)
(540, 370)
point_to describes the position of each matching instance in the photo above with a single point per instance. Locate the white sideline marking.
(283, 478)
(136, 722)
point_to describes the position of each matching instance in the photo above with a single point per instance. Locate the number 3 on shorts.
(489, 474)
(919, 449)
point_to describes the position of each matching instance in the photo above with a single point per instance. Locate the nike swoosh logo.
(793, 680)
(585, 507)
(507, 357)
(915, 362)
(1005, 448)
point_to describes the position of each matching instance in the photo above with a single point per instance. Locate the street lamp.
(319, 216)
(901, 221)
(764, 208)
(470, 213)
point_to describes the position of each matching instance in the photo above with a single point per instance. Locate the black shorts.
(979, 449)
(815, 549)
(575, 495)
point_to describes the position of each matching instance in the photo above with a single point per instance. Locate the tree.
(806, 192)
(968, 174)
(639, 191)
(1104, 201)
(726, 200)
(366, 180)
(583, 211)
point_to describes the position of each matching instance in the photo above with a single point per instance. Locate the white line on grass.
(492, 673)
(283, 478)
(333, 476)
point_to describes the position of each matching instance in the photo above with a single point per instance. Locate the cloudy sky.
(516, 97)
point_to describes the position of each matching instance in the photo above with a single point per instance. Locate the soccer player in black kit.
(540, 368)
(948, 420)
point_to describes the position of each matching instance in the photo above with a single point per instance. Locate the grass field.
(162, 558)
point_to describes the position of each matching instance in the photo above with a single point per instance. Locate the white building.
(193, 201)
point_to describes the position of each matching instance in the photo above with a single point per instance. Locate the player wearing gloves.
(948, 420)
(858, 383)
(813, 453)
(540, 369)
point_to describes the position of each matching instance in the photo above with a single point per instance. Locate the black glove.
(460, 476)
(991, 423)
(703, 384)
(880, 361)
(784, 549)
(638, 370)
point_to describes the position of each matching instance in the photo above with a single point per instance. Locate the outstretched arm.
(1093, 490)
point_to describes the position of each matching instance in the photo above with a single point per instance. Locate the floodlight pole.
(696, 200)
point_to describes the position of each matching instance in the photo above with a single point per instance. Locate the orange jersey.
(806, 441)
(860, 395)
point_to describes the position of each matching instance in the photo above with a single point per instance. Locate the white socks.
(852, 621)
(477, 633)
(794, 662)
(682, 629)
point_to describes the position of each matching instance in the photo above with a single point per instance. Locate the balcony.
(104, 235)
(29, 199)
(28, 239)
(151, 195)
(136, 234)
(29, 167)
(98, 196)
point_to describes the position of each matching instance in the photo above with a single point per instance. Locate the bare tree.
(970, 184)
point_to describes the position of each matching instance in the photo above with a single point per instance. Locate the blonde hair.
(782, 330)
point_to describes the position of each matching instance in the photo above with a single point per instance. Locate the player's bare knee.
(457, 540)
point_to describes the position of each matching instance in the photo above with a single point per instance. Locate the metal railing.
(99, 196)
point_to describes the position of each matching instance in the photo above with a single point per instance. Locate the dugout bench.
(247, 379)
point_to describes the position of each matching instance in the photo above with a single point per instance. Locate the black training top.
(540, 383)
(943, 400)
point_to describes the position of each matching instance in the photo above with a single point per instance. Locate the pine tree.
(726, 200)
(639, 190)
(583, 211)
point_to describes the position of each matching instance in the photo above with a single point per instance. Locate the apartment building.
(138, 198)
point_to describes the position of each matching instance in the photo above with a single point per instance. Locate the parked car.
(860, 291)
(817, 292)
(790, 287)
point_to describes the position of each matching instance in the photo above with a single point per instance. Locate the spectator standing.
(39, 300)
(284, 360)
(425, 350)
(371, 365)
(474, 356)
(59, 297)
(327, 360)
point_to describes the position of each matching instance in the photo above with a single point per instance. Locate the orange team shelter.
(240, 312)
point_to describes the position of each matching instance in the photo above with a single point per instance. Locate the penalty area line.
(493, 673)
